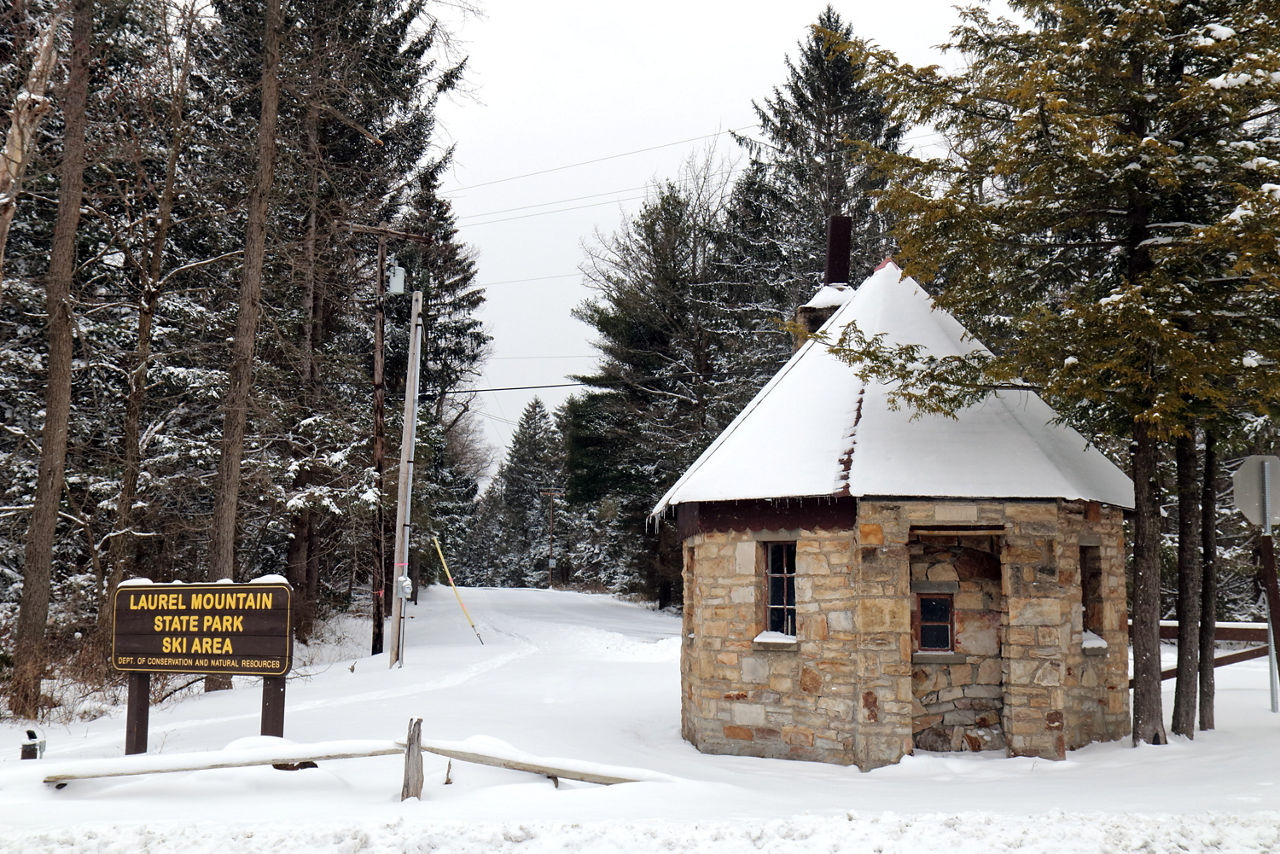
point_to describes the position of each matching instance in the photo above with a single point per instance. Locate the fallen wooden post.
(553, 772)
(132, 766)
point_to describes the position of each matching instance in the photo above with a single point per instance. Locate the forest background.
(138, 173)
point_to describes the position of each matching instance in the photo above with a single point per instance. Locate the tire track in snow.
(158, 731)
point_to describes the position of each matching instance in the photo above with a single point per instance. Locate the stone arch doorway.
(958, 611)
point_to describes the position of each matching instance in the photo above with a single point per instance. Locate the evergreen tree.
(670, 342)
(533, 468)
(805, 170)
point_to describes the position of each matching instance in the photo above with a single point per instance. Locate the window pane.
(777, 620)
(935, 637)
(777, 590)
(935, 609)
(791, 591)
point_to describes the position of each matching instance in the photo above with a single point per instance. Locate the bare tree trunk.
(1148, 713)
(29, 636)
(1209, 576)
(1189, 581)
(301, 549)
(298, 558)
(29, 110)
(121, 551)
(223, 535)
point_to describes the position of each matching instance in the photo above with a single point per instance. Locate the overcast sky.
(621, 94)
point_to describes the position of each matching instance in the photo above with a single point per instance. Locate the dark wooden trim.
(833, 512)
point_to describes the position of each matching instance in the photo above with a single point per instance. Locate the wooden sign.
(236, 629)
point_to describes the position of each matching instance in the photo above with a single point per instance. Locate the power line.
(717, 174)
(599, 159)
(522, 358)
(462, 225)
(534, 279)
(515, 388)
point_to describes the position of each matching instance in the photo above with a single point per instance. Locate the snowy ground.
(588, 678)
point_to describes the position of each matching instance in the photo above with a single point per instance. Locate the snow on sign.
(238, 629)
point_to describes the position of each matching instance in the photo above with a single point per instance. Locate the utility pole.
(377, 582)
(378, 579)
(408, 437)
(553, 492)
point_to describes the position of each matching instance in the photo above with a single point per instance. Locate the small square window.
(780, 587)
(935, 630)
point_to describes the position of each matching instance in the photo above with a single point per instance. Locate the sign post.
(231, 629)
(1257, 491)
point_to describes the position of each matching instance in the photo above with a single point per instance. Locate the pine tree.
(671, 341)
(1104, 220)
(532, 469)
(805, 170)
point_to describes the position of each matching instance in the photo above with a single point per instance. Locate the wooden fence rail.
(292, 756)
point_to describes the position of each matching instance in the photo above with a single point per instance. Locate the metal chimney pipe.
(839, 240)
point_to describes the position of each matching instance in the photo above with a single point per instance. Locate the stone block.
(1022, 671)
(927, 680)
(743, 594)
(738, 733)
(744, 558)
(1042, 611)
(797, 736)
(1051, 636)
(754, 670)
(990, 671)
(840, 709)
(747, 714)
(978, 632)
(871, 535)
(883, 615)
(810, 681)
(943, 572)
(729, 659)
(1032, 511)
(840, 621)
(955, 512)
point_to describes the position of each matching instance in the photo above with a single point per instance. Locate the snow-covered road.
(591, 679)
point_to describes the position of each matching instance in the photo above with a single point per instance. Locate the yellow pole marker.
(449, 576)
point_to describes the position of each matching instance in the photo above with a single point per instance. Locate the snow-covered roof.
(830, 296)
(816, 429)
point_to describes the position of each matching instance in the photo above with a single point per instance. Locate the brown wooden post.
(273, 705)
(412, 787)
(138, 713)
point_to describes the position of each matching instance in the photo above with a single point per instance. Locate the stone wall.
(845, 689)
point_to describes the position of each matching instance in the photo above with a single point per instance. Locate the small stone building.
(860, 583)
